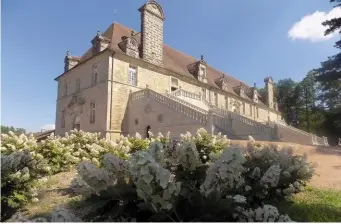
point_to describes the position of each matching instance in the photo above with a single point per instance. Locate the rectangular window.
(62, 125)
(251, 110)
(92, 112)
(244, 108)
(226, 103)
(132, 80)
(175, 82)
(94, 76)
(78, 84)
(65, 89)
(216, 99)
(202, 72)
(257, 112)
(203, 93)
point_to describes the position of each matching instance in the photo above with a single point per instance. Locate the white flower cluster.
(19, 217)
(11, 143)
(267, 213)
(60, 214)
(282, 166)
(118, 168)
(154, 183)
(156, 151)
(225, 173)
(271, 176)
(186, 155)
(17, 169)
(91, 179)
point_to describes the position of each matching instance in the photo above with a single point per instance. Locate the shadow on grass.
(301, 212)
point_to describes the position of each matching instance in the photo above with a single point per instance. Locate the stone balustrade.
(184, 93)
(175, 103)
(221, 117)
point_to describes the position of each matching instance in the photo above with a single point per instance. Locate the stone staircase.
(233, 125)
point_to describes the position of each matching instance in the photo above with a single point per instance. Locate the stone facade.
(127, 82)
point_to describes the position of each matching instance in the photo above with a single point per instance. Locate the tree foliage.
(7, 129)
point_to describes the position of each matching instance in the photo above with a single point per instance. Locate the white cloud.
(310, 26)
(47, 127)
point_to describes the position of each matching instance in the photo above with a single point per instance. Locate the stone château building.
(130, 81)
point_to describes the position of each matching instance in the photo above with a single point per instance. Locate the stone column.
(210, 122)
(313, 139)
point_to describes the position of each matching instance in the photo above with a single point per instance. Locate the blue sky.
(246, 39)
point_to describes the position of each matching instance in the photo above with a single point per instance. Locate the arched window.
(77, 123)
(148, 129)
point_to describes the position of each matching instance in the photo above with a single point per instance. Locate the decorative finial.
(98, 33)
(202, 57)
(132, 33)
(254, 85)
(67, 53)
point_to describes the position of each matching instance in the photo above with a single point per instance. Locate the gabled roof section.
(173, 60)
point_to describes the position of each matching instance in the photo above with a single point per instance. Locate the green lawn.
(314, 205)
(311, 205)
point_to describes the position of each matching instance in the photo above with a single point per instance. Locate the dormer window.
(255, 96)
(202, 76)
(130, 45)
(174, 84)
(224, 85)
(202, 72)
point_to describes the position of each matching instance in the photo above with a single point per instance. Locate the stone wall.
(120, 89)
(286, 134)
(160, 118)
(88, 93)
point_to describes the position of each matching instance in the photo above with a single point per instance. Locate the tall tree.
(288, 100)
(6, 129)
(307, 88)
(329, 80)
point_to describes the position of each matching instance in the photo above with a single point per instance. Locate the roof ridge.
(188, 55)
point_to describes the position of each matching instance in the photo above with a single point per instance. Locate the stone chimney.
(152, 17)
(70, 61)
(99, 43)
(269, 92)
(255, 93)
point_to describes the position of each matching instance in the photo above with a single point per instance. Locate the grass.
(52, 192)
(313, 205)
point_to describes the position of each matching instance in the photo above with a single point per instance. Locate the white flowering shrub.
(167, 182)
(19, 174)
(273, 172)
(58, 214)
(63, 153)
(209, 146)
(12, 142)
